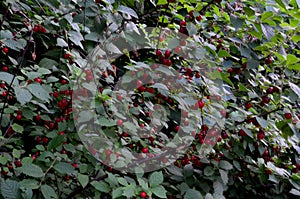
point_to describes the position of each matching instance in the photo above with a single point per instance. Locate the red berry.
(67, 56)
(176, 128)
(145, 150)
(39, 139)
(288, 116)
(45, 140)
(158, 53)
(268, 60)
(182, 23)
(108, 152)
(177, 49)
(18, 163)
(74, 165)
(120, 122)
(223, 113)
(144, 194)
(199, 18)
(230, 70)
(98, 1)
(168, 53)
(5, 50)
(4, 68)
(260, 135)
(55, 94)
(201, 104)
(265, 99)
(19, 117)
(248, 105)
(63, 81)
(89, 78)
(268, 171)
(38, 80)
(242, 133)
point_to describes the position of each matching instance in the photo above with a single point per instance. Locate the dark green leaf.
(159, 191)
(156, 179)
(48, 192)
(64, 168)
(31, 170)
(22, 95)
(10, 189)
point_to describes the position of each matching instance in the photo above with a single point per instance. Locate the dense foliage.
(217, 79)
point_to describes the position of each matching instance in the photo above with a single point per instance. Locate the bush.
(150, 99)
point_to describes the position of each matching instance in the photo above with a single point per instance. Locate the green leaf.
(192, 194)
(61, 42)
(22, 95)
(225, 165)
(48, 192)
(128, 11)
(31, 170)
(83, 179)
(101, 186)
(10, 189)
(224, 176)
(16, 153)
(44, 71)
(295, 192)
(159, 191)
(55, 142)
(76, 38)
(208, 171)
(236, 21)
(192, 29)
(29, 183)
(291, 59)
(295, 88)
(18, 128)
(262, 122)
(266, 15)
(249, 12)
(4, 76)
(129, 191)
(38, 91)
(294, 67)
(281, 4)
(156, 179)
(223, 53)
(47, 63)
(64, 168)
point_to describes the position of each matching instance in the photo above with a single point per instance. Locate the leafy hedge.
(239, 60)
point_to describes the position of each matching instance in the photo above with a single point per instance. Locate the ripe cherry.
(176, 128)
(182, 23)
(18, 163)
(63, 81)
(177, 49)
(168, 53)
(120, 122)
(288, 116)
(145, 150)
(5, 50)
(242, 133)
(158, 53)
(201, 104)
(4, 68)
(260, 135)
(269, 60)
(144, 194)
(248, 105)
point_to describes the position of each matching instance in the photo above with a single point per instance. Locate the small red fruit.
(19, 117)
(144, 194)
(5, 50)
(120, 122)
(177, 49)
(168, 53)
(268, 60)
(260, 135)
(145, 150)
(67, 56)
(248, 105)
(18, 163)
(63, 81)
(288, 116)
(176, 128)
(242, 133)
(182, 23)
(4, 68)
(199, 18)
(158, 53)
(268, 171)
(201, 104)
